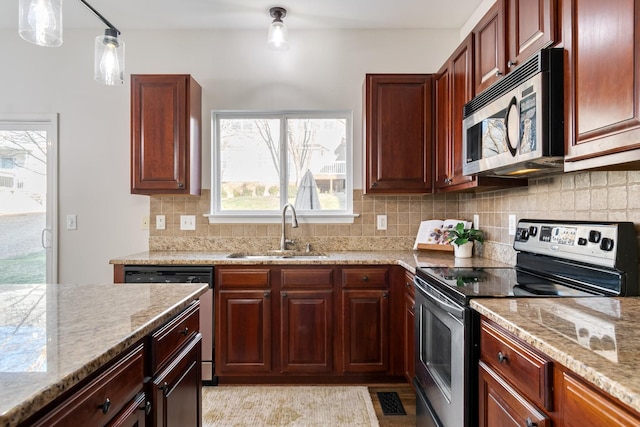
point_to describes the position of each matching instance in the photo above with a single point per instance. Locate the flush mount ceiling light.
(40, 23)
(278, 38)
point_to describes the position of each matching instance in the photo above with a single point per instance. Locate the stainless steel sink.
(278, 255)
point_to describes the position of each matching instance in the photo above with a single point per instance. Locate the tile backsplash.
(596, 196)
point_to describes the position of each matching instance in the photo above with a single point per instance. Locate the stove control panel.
(599, 243)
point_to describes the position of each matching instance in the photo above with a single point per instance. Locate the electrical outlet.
(476, 222)
(72, 222)
(144, 224)
(187, 222)
(161, 222)
(382, 222)
(512, 225)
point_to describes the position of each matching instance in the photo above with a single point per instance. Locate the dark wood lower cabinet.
(501, 405)
(134, 415)
(175, 391)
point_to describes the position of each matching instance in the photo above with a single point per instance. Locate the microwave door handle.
(513, 104)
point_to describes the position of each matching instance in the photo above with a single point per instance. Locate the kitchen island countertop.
(408, 259)
(54, 336)
(596, 338)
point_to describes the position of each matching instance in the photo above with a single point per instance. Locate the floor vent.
(390, 402)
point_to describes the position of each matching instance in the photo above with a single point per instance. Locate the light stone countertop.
(54, 336)
(408, 259)
(607, 351)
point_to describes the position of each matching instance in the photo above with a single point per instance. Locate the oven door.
(441, 357)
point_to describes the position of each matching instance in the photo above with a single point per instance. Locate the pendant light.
(41, 23)
(278, 38)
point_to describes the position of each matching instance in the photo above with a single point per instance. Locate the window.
(263, 160)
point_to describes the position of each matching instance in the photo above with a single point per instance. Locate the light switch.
(187, 222)
(161, 222)
(72, 222)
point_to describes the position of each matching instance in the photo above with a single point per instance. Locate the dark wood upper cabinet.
(489, 62)
(166, 115)
(509, 33)
(602, 84)
(398, 133)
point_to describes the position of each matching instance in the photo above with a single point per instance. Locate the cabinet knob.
(511, 64)
(385, 295)
(501, 357)
(374, 184)
(284, 295)
(180, 185)
(365, 278)
(147, 408)
(498, 73)
(165, 388)
(185, 331)
(266, 294)
(105, 406)
(530, 422)
(447, 181)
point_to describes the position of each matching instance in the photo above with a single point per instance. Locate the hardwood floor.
(407, 397)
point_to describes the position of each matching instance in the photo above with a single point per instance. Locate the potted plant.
(463, 238)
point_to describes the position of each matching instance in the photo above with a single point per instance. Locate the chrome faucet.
(294, 223)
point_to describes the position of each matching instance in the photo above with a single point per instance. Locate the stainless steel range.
(554, 259)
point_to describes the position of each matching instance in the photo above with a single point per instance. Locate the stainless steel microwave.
(515, 128)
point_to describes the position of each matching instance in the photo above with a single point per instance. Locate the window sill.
(303, 218)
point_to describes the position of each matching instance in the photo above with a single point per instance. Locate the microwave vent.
(544, 60)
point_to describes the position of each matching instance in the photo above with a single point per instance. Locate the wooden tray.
(428, 247)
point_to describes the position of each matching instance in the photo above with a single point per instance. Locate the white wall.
(322, 70)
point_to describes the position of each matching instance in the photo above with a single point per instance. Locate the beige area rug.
(287, 406)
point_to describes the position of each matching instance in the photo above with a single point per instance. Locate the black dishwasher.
(185, 274)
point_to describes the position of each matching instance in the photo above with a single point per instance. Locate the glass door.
(28, 198)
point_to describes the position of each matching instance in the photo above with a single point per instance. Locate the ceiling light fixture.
(278, 38)
(40, 23)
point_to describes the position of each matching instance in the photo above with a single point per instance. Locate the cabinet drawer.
(527, 371)
(246, 278)
(104, 397)
(168, 339)
(302, 278)
(370, 277)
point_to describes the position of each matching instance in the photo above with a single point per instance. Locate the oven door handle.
(439, 300)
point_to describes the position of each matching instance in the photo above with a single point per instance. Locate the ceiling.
(254, 14)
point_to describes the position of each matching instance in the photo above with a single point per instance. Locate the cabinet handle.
(408, 284)
(185, 331)
(511, 64)
(105, 406)
(147, 408)
(413, 308)
(501, 357)
(165, 388)
(365, 278)
(530, 423)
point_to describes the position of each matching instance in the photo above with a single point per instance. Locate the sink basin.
(278, 255)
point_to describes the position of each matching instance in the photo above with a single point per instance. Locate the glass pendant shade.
(40, 22)
(109, 59)
(278, 38)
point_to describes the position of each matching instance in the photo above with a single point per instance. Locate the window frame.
(217, 216)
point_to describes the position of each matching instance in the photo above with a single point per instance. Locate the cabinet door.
(177, 391)
(409, 328)
(398, 133)
(243, 332)
(603, 82)
(585, 407)
(501, 405)
(165, 134)
(531, 26)
(489, 47)
(366, 330)
(307, 331)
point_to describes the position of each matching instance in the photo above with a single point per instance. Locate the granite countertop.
(54, 336)
(597, 338)
(408, 259)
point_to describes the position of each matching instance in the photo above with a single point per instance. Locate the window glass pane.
(317, 154)
(250, 164)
